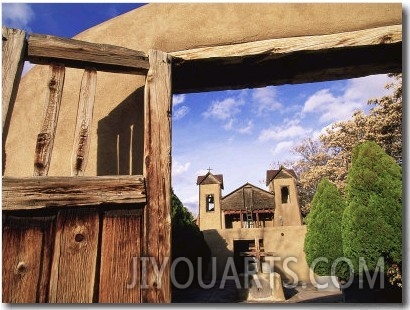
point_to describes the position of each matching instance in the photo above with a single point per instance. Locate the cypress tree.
(323, 237)
(372, 221)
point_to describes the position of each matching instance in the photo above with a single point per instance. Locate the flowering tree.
(330, 155)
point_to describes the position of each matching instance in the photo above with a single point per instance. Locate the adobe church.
(249, 206)
(268, 222)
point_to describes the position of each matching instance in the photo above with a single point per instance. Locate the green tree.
(186, 241)
(324, 236)
(372, 221)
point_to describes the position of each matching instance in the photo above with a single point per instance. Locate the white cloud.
(178, 168)
(283, 146)
(233, 125)
(247, 129)
(178, 99)
(365, 88)
(180, 112)
(357, 92)
(277, 133)
(224, 109)
(265, 100)
(17, 15)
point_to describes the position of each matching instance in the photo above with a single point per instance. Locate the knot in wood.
(52, 84)
(79, 237)
(21, 268)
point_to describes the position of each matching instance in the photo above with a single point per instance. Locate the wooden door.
(77, 239)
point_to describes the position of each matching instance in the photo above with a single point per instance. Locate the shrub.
(186, 241)
(323, 237)
(372, 221)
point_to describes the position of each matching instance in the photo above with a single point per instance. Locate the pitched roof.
(248, 195)
(214, 178)
(271, 174)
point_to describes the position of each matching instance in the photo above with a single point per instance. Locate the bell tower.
(210, 194)
(282, 183)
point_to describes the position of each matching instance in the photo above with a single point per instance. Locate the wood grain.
(43, 49)
(75, 256)
(23, 260)
(13, 52)
(48, 192)
(82, 140)
(120, 257)
(288, 60)
(157, 171)
(45, 139)
(280, 47)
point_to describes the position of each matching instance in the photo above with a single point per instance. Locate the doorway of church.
(240, 247)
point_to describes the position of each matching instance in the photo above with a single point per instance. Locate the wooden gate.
(84, 239)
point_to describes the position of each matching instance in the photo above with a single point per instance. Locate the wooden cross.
(257, 252)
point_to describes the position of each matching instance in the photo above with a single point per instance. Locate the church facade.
(249, 206)
(250, 219)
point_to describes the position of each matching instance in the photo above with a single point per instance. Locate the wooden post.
(157, 172)
(45, 138)
(13, 49)
(257, 219)
(81, 145)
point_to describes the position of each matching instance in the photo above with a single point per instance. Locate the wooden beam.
(82, 133)
(47, 192)
(157, 171)
(289, 60)
(45, 139)
(43, 49)
(13, 49)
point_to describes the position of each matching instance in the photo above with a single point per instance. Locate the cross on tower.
(209, 169)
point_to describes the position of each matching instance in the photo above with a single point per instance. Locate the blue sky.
(239, 134)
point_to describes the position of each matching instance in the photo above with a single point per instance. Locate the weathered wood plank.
(46, 192)
(43, 49)
(45, 139)
(82, 133)
(47, 257)
(120, 257)
(289, 60)
(157, 171)
(13, 49)
(22, 248)
(280, 47)
(75, 256)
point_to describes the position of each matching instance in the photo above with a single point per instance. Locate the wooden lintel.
(289, 60)
(43, 49)
(49, 192)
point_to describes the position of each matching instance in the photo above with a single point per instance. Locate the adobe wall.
(169, 27)
(285, 242)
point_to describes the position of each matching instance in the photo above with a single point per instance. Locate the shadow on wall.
(121, 138)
